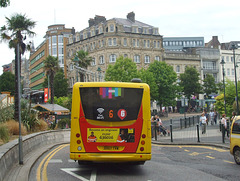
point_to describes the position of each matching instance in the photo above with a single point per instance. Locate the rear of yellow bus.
(110, 122)
(235, 139)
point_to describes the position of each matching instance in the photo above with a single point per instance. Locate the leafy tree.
(165, 78)
(83, 61)
(209, 85)
(12, 33)
(60, 84)
(64, 101)
(189, 82)
(124, 70)
(51, 67)
(4, 3)
(147, 77)
(7, 82)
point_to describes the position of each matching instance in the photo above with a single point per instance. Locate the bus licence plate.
(111, 148)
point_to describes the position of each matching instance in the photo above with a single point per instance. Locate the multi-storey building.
(55, 43)
(181, 43)
(106, 40)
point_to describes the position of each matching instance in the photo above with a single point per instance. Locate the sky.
(174, 18)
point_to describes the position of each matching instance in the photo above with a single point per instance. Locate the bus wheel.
(236, 155)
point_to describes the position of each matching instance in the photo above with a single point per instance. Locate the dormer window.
(112, 28)
(100, 30)
(92, 33)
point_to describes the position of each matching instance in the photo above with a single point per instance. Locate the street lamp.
(223, 71)
(234, 61)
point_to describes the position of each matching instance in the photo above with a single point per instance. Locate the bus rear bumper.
(111, 157)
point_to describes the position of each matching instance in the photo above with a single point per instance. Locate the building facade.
(106, 40)
(55, 43)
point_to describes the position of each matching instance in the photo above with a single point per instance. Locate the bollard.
(198, 137)
(181, 123)
(189, 120)
(171, 130)
(193, 120)
(185, 122)
(223, 133)
(155, 128)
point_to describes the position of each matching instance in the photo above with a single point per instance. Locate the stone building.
(106, 40)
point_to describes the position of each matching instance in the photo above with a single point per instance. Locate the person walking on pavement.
(203, 121)
(224, 124)
(211, 116)
(215, 116)
(206, 115)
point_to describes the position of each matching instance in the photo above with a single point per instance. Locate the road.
(168, 162)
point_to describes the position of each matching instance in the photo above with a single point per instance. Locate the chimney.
(131, 16)
(91, 22)
(99, 19)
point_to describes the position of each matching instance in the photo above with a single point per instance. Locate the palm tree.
(13, 32)
(83, 61)
(4, 3)
(51, 67)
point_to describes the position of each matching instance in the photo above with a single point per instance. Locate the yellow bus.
(110, 122)
(235, 139)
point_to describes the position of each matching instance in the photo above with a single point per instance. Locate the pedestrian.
(211, 116)
(233, 116)
(224, 124)
(203, 122)
(206, 115)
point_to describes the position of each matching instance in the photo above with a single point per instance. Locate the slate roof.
(51, 108)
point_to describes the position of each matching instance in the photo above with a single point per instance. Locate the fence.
(188, 130)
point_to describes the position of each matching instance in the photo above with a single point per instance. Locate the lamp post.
(234, 61)
(223, 72)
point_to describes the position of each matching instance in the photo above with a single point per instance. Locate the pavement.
(186, 136)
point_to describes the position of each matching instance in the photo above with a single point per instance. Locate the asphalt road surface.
(167, 163)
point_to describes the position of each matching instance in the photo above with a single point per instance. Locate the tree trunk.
(16, 87)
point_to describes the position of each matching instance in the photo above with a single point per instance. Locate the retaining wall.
(9, 152)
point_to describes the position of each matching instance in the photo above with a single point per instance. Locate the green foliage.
(165, 78)
(4, 133)
(124, 70)
(189, 82)
(6, 113)
(7, 82)
(51, 67)
(60, 84)
(64, 101)
(209, 85)
(147, 77)
(4, 3)
(63, 123)
(29, 116)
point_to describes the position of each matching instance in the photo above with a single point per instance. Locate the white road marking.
(55, 161)
(72, 170)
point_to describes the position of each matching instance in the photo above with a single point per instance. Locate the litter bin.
(181, 110)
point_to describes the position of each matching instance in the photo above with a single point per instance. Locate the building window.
(158, 44)
(228, 72)
(111, 28)
(92, 33)
(125, 42)
(137, 43)
(136, 58)
(101, 60)
(157, 58)
(93, 62)
(147, 59)
(231, 59)
(148, 43)
(60, 39)
(110, 42)
(112, 58)
(134, 42)
(178, 69)
(144, 43)
(134, 29)
(114, 41)
(155, 44)
(60, 49)
(54, 39)
(125, 55)
(232, 71)
(61, 60)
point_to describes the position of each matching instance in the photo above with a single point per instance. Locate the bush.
(4, 135)
(41, 126)
(13, 128)
(6, 113)
(63, 123)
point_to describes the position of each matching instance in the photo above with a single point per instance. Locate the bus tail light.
(77, 135)
(143, 136)
(141, 149)
(78, 141)
(143, 142)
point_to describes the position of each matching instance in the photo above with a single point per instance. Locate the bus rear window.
(110, 103)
